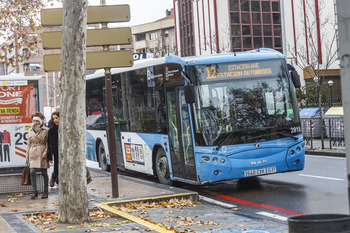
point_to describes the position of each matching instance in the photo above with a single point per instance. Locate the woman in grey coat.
(36, 153)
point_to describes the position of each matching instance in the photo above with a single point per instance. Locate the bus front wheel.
(162, 168)
(103, 158)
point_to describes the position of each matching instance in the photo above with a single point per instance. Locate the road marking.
(234, 199)
(215, 202)
(326, 157)
(321, 177)
(273, 215)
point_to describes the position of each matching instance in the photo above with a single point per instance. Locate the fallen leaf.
(14, 210)
(3, 205)
(12, 200)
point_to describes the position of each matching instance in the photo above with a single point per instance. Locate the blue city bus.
(200, 119)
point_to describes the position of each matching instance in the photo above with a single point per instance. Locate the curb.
(106, 206)
(326, 153)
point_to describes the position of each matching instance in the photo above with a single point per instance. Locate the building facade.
(212, 26)
(156, 37)
(312, 41)
(304, 31)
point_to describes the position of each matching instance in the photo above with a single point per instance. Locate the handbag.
(26, 176)
(88, 176)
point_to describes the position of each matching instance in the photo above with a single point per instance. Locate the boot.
(45, 195)
(34, 195)
(52, 182)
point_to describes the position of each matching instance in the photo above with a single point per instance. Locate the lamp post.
(330, 84)
(316, 80)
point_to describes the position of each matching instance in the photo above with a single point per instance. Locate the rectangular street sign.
(95, 37)
(95, 14)
(94, 60)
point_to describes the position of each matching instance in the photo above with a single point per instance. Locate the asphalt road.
(320, 188)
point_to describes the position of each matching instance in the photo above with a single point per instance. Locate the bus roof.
(258, 54)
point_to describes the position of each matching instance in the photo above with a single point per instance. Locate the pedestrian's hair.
(57, 113)
(38, 114)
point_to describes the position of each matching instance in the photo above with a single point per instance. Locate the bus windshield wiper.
(276, 133)
(223, 140)
(236, 132)
(287, 135)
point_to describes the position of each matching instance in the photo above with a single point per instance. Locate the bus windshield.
(238, 103)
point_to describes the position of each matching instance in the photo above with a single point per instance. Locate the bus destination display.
(239, 70)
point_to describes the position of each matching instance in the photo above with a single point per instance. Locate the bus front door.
(180, 136)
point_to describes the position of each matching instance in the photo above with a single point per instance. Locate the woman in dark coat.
(52, 147)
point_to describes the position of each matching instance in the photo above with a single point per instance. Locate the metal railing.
(333, 133)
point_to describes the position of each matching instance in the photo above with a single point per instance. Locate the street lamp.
(330, 84)
(316, 80)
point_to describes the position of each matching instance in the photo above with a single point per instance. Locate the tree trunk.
(73, 200)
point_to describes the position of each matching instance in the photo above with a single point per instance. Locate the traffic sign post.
(96, 60)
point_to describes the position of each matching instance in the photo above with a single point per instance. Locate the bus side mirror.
(189, 93)
(295, 78)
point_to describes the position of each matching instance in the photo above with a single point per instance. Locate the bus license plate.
(261, 171)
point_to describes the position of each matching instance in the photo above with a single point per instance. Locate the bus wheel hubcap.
(162, 166)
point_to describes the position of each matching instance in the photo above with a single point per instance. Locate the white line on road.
(215, 202)
(273, 215)
(326, 157)
(321, 177)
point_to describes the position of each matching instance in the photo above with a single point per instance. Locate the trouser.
(0, 152)
(55, 170)
(7, 152)
(33, 178)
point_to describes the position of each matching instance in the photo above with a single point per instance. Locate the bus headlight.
(215, 159)
(298, 149)
(292, 152)
(222, 160)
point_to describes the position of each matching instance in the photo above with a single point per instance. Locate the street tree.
(209, 44)
(321, 35)
(73, 200)
(19, 24)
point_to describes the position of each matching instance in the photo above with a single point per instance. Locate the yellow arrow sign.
(94, 60)
(95, 37)
(95, 14)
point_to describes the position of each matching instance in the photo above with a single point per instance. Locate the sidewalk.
(336, 149)
(204, 217)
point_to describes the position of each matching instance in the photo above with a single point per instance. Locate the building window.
(140, 37)
(255, 24)
(25, 52)
(187, 26)
(26, 67)
(154, 35)
(166, 33)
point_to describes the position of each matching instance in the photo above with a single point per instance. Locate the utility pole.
(110, 121)
(343, 7)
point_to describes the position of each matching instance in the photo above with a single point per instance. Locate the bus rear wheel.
(102, 157)
(162, 168)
